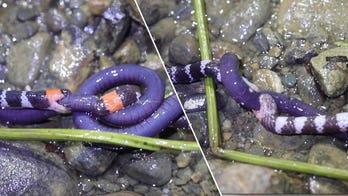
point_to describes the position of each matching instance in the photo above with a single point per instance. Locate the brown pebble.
(97, 7)
(196, 177)
(227, 135)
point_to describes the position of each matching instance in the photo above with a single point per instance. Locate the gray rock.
(289, 80)
(183, 159)
(260, 40)
(97, 7)
(307, 88)
(331, 71)
(183, 176)
(26, 13)
(141, 189)
(124, 193)
(317, 36)
(268, 80)
(3, 55)
(78, 18)
(24, 172)
(295, 17)
(278, 142)
(26, 57)
(129, 52)
(107, 186)
(242, 178)
(299, 52)
(163, 31)
(244, 19)
(111, 29)
(70, 62)
(268, 62)
(273, 37)
(153, 169)
(184, 50)
(56, 20)
(91, 161)
(327, 155)
(154, 10)
(23, 30)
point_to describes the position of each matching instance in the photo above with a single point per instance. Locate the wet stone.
(163, 31)
(183, 176)
(289, 80)
(331, 70)
(3, 55)
(23, 30)
(111, 29)
(317, 36)
(25, 173)
(268, 62)
(295, 17)
(123, 193)
(91, 161)
(142, 189)
(26, 57)
(244, 19)
(242, 178)
(274, 38)
(129, 52)
(279, 142)
(307, 88)
(154, 10)
(107, 186)
(56, 20)
(71, 63)
(153, 169)
(260, 40)
(327, 155)
(26, 13)
(268, 80)
(97, 7)
(184, 50)
(78, 18)
(183, 159)
(299, 52)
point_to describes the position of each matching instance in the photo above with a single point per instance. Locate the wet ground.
(59, 44)
(282, 47)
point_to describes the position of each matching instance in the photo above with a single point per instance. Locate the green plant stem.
(153, 144)
(289, 165)
(203, 37)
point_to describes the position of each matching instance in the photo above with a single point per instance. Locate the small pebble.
(227, 136)
(260, 40)
(56, 20)
(129, 52)
(25, 13)
(141, 189)
(183, 159)
(23, 30)
(184, 50)
(97, 7)
(275, 52)
(78, 18)
(268, 62)
(289, 80)
(268, 80)
(107, 186)
(196, 177)
(226, 125)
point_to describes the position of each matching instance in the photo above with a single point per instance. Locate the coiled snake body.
(146, 115)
